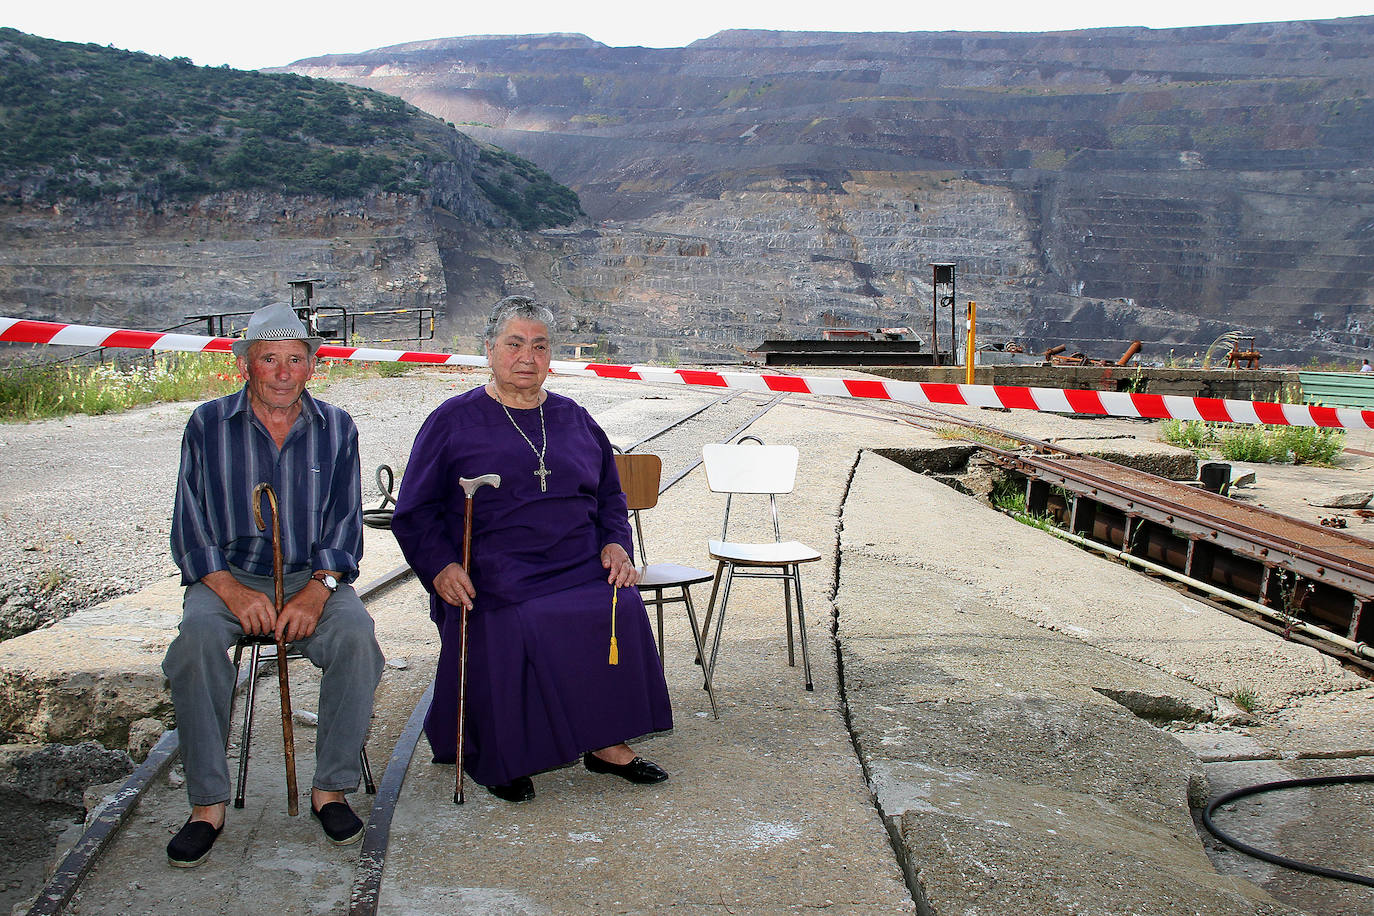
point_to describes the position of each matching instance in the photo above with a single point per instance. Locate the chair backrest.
(734, 468)
(639, 476)
(761, 469)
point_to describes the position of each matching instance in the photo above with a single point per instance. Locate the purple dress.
(541, 691)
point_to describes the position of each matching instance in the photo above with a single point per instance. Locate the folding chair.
(639, 477)
(256, 655)
(764, 470)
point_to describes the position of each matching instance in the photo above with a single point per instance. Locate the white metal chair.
(639, 477)
(767, 470)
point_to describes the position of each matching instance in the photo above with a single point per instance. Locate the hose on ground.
(380, 517)
(1273, 858)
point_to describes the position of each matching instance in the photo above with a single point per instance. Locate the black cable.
(1270, 857)
(380, 517)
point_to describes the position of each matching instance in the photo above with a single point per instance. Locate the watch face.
(328, 581)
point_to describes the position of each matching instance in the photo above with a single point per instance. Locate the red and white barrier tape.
(1016, 397)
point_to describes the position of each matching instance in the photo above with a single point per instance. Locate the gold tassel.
(615, 650)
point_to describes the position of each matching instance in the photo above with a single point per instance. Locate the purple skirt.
(541, 690)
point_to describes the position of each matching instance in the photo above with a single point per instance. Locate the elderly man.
(272, 431)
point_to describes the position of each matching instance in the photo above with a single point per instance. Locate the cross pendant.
(543, 474)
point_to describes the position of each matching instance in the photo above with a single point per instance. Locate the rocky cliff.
(125, 266)
(137, 191)
(1093, 187)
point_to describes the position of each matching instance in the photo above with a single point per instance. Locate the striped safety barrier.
(1015, 397)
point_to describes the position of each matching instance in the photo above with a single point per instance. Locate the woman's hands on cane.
(453, 586)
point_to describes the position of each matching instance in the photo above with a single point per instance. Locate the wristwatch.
(326, 580)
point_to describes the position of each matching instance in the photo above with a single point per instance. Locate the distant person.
(550, 559)
(1366, 367)
(272, 431)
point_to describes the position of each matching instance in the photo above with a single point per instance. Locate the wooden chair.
(756, 470)
(255, 646)
(639, 478)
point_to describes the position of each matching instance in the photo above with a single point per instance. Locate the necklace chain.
(542, 472)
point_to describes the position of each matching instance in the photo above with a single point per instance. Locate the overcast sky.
(249, 34)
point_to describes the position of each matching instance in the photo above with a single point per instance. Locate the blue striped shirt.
(226, 452)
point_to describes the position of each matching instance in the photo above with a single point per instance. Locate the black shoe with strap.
(638, 770)
(517, 790)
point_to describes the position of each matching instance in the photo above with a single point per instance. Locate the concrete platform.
(974, 744)
(92, 674)
(979, 666)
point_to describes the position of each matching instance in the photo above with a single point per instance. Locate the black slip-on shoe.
(639, 770)
(341, 825)
(517, 790)
(192, 844)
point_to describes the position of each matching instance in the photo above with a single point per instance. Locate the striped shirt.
(226, 452)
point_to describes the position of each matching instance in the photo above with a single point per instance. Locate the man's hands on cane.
(301, 614)
(257, 613)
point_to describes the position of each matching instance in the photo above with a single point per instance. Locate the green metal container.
(1338, 389)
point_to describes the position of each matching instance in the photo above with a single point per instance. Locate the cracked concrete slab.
(975, 654)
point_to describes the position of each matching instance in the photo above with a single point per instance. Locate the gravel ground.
(85, 502)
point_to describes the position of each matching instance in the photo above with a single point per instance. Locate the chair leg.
(701, 648)
(720, 621)
(234, 693)
(254, 653)
(801, 626)
(711, 605)
(368, 784)
(658, 606)
(787, 605)
(254, 658)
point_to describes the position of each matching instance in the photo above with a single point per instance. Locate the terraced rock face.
(1093, 187)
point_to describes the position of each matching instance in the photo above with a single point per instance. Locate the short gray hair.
(516, 307)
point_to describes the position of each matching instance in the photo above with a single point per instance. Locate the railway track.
(1313, 579)
(1302, 580)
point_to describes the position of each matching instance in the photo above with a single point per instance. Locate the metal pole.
(969, 347)
(953, 326)
(935, 315)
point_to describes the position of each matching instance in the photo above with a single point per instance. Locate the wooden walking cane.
(288, 737)
(470, 486)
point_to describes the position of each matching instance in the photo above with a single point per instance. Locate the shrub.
(1248, 444)
(1308, 444)
(1190, 434)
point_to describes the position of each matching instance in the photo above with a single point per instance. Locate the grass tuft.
(1245, 698)
(1256, 443)
(43, 392)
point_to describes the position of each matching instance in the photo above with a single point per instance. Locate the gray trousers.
(201, 676)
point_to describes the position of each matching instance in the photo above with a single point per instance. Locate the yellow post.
(969, 346)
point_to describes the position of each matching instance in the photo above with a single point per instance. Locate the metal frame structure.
(1304, 573)
(335, 323)
(942, 296)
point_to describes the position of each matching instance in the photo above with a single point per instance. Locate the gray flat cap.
(275, 322)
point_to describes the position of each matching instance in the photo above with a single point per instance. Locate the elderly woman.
(550, 548)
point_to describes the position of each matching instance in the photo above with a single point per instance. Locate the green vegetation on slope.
(85, 122)
(88, 121)
(524, 190)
